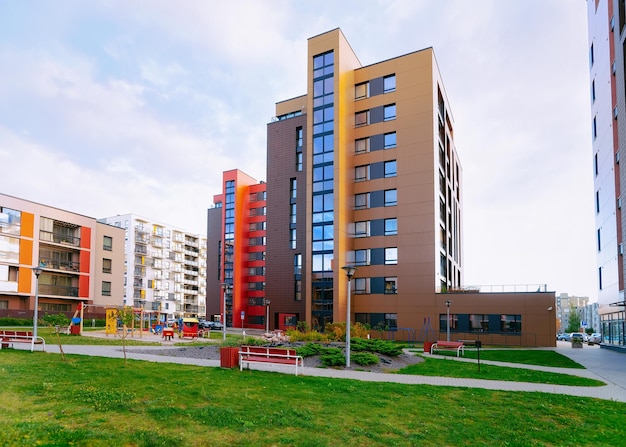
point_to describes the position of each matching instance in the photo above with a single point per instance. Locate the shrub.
(11, 321)
(383, 347)
(312, 336)
(333, 357)
(364, 358)
(311, 349)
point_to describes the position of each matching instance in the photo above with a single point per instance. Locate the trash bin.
(427, 346)
(229, 357)
(75, 330)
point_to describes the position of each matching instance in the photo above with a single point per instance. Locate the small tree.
(125, 315)
(574, 321)
(56, 321)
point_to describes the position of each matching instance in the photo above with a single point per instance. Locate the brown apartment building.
(362, 170)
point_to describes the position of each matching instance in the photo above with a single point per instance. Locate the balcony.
(56, 264)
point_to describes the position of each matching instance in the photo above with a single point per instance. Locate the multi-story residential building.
(165, 267)
(607, 33)
(565, 305)
(236, 239)
(81, 260)
(362, 171)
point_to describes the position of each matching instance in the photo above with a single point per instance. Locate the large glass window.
(361, 229)
(511, 323)
(479, 323)
(361, 257)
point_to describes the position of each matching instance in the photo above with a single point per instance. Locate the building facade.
(165, 267)
(362, 171)
(237, 238)
(607, 37)
(566, 305)
(81, 260)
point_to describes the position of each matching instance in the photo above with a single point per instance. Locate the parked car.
(578, 336)
(564, 337)
(595, 338)
(211, 325)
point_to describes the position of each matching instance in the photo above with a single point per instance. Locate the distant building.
(165, 267)
(362, 170)
(81, 260)
(565, 305)
(607, 33)
(236, 241)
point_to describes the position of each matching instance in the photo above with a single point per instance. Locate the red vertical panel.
(85, 237)
(83, 286)
(85, 261)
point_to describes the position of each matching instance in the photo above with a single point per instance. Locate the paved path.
(602, 364)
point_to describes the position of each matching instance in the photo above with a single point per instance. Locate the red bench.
(442, 345)
(275, 356)
(8, 338)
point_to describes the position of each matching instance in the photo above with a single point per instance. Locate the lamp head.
(350, 270)
(37, 271)
(448, 302)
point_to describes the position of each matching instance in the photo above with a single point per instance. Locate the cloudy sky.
(111, 107)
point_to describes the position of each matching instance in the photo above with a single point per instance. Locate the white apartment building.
(165, 267)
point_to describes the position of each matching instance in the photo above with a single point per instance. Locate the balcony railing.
(50, 289)
(59, 265)
(59, 238)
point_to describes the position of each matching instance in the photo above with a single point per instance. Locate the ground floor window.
(613, 328)
(487, 323)
(378, 321)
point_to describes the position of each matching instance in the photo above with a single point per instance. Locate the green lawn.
(93, 401)
(526, 356)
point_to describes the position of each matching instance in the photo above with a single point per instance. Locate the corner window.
(391, 226)
(391, 197)
(361, 201)
(361, 285)
(389, 83)
(391, 256)
(390, 169)
(361, 257)
(389, 112)
(361, 229)
(390, 140)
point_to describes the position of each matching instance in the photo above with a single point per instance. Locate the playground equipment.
(190, 328)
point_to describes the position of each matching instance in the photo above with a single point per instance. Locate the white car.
(595, 338)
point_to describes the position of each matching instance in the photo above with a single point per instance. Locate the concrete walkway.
(602, 364)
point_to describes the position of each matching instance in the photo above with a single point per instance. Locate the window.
(599, 241)
(443, 323)
(593, 91)
(591, 58)
(107, 243)
(597, 202)
(106, 288)
(391, 255)
(391, 197)
(389, 112)
(106, 266)
(361, 201)
(390, 140)
(292, 213)
(594, 128)
(361, 173)
(297, 264)
(362, 229)
(292, 238)
(293, 187)
(391, 226)
(362, 90)
(362, 145)
(390, 169)
(299, 161)
(391, 285)
(479, 323)
(511, 323)
(362, 118)
(389, 83)
(361, 257)
(361, 285)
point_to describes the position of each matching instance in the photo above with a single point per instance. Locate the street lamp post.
(267, 316)
(227, 287)
(37, 272)
(448, 302)
(349, 269)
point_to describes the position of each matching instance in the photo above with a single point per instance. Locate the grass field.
(93, 401)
